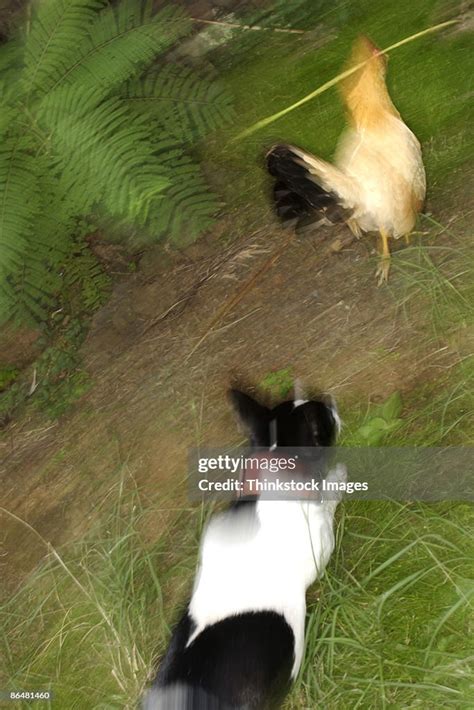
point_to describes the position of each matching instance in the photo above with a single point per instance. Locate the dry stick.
(235, 25)
(241, 293)
(238, 320)
(332, 82)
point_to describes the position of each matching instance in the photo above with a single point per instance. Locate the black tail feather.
(288, 204)
(298, 198)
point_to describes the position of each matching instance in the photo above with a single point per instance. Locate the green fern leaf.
(8, 116)
(80, 135)
(58, 28)
(19, 208)
(35, 290)
(186, 105)
(122, 40)
(107, 153)
(11, 65)
(83, 272)
(187, 207)
(125, 39)
(38, 283)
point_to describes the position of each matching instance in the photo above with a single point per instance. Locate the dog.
(239, 644)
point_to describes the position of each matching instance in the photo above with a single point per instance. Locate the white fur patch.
(336, 417)
(263, 563)
(299, 394)
(273, 435)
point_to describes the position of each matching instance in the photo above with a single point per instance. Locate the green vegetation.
(7, 376)
(56, 378)
(100, 616)
(93, 128)
(278, 383)
(379, 421)
(389, 625)
(437, 276)
(96, 132)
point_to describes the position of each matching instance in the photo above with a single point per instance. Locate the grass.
(388, 625)
(96, 614)
(438, 274)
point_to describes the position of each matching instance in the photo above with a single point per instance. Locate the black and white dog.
(240, 642)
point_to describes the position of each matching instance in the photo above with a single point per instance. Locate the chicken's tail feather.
(299, 198)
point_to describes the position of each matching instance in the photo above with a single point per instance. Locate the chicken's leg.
(384, 265)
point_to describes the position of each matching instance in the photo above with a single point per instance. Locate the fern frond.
(83, 272)
(58, 28)
(38, 282)
(8, 116)
(187, 207)
(36, 290)
(107, 155)
(11, 64)
(186, 105)
(122, 40)
(125, 39)
(19, 208)
(78, 132)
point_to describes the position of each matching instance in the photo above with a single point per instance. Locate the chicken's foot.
(384, 265)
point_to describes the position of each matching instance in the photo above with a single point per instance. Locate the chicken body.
(377, 182)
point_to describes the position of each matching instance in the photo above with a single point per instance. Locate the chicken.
(377, 182)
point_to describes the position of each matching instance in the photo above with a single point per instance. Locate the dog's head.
(296, 423)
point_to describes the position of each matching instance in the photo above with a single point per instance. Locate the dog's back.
(240, 642)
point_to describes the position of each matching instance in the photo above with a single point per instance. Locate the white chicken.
(377, 182)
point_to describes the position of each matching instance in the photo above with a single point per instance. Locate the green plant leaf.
(108, 151)
(75, 145)
(375, 424)
(279, 383)
(392, 407)
(19, 207)
(7, 376)
(58, 29)
(185, 104)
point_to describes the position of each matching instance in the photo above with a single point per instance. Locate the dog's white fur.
(265, 562)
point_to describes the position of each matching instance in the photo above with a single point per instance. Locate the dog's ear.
(254, 417)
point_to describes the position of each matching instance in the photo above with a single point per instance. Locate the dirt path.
(322, 315)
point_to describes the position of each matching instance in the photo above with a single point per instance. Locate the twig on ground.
(258, 28)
